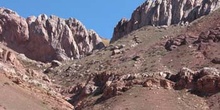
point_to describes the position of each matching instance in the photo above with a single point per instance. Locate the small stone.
(136, 58)
(116, 51)
(46, 78)
(148, 83)
(55, 63)
(122, 46)
(81, 75)
(17, 80)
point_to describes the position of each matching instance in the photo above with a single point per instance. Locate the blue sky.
(99, 15)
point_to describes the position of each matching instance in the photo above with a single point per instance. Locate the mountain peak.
(164, 12)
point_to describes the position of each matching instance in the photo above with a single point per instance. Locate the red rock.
(207, 71)
(175, 42)
(208, 84)
(115, 88)
(210, 35)
(14, 28)
(185, 79)
(46, 39)
(7, 55)
(166, 84)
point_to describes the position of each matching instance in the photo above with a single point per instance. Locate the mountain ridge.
(164, 12)
(47, 38)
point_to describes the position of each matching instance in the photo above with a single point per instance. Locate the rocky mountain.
(164, 12)
(171, 67)
(45, 38)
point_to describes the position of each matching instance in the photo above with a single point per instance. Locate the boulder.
(207, 71)
(89, 89)
(204, 82)
(7, 55)
(216, 60)
(184, 79)
(151, 83)
(210, 35)
(13, 59)
(154, 82)
(116, 51)
(173, 43)
(55, 63)
(208, 84)
(136, 58)
(113, 89)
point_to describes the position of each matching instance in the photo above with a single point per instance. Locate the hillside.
(57, 64)
(23, 88)
(115, 77)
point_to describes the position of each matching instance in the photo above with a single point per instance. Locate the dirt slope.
(139, 98)
(14, 97)
(23, 87)
(114, 77)
(143, 52)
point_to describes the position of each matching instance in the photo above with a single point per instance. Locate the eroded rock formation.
(47, 38)
(164, 12)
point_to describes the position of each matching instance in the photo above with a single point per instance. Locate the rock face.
(164, 12)
(13, 28)
(204, 81)
(47, 38)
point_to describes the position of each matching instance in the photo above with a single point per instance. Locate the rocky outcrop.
(14, 69)
(176, 42)
(47, 38)
(164, 12)
(13, 28)
(110, 84)
(210, 35)
(204, 82)
(8, 56)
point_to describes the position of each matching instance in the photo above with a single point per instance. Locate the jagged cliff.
(164, 12)
(47, 38)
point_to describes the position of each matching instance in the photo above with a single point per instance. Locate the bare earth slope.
(15, 98)
(120, 76)
(139, 98)
(165, 67)
(24, 88)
